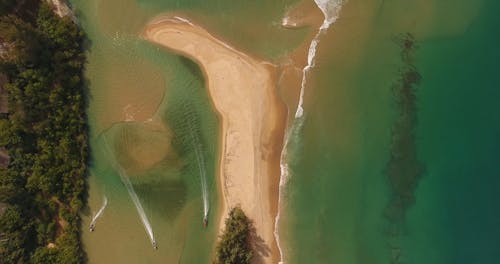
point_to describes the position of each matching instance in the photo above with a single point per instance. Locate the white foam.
(99, 213)
(330, 9)
(184, 20)
(283, 179)
(285, 22)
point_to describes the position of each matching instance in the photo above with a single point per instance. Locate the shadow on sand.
(260, 249)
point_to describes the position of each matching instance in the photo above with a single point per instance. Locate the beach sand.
(243, 91)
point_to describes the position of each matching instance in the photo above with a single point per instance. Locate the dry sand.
(243, 92)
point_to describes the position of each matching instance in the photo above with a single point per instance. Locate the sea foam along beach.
(330, 10)
(243, 92)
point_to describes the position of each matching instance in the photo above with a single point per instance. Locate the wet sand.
(243, 92)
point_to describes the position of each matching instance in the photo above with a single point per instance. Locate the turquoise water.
(338, 193)
(456, 217)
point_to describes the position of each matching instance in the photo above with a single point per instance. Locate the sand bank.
(243, 92)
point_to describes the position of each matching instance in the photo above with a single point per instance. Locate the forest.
(45, 134)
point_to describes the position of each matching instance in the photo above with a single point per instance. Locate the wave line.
(330, 10)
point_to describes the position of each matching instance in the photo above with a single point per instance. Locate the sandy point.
(243, 91)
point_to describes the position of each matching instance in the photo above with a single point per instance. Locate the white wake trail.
(201, 167)
(330, 10)
(99, 213)
(135, 199)
(137, 203)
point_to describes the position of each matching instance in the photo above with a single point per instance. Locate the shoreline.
(243, 91)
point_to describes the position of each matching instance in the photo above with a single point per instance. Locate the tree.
(6, 6)
(4, 132)
(19, 38)
(234, 245)
(45, 135)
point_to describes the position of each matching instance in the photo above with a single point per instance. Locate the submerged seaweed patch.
(404, 170)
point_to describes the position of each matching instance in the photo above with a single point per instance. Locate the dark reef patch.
(403, 169)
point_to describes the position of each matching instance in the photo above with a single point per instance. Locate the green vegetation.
(234, 245)
(45, 134)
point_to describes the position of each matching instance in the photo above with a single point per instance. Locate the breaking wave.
(330, 10)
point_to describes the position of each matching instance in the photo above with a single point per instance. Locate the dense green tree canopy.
(45, 135)
(234, 245)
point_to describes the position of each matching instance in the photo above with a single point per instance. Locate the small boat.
(92, 227)
(205, 221)
(155, 246)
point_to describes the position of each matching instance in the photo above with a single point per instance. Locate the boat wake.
(201, 167)
(135, 199)
(99, 213)
(138, 205)
(330, 10)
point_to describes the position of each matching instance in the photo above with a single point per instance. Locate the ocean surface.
(339, 190)
(373, 177)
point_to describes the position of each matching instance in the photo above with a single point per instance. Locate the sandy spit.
(243, 91)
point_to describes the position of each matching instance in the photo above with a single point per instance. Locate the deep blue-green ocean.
(373, 181)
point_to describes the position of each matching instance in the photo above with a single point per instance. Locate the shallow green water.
(140, 127)
(160, 157)
(152, 123)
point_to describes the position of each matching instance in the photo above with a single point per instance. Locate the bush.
(234, 245)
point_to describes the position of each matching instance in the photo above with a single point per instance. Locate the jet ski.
(205, 221)
(92, 227)
(155, 246)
